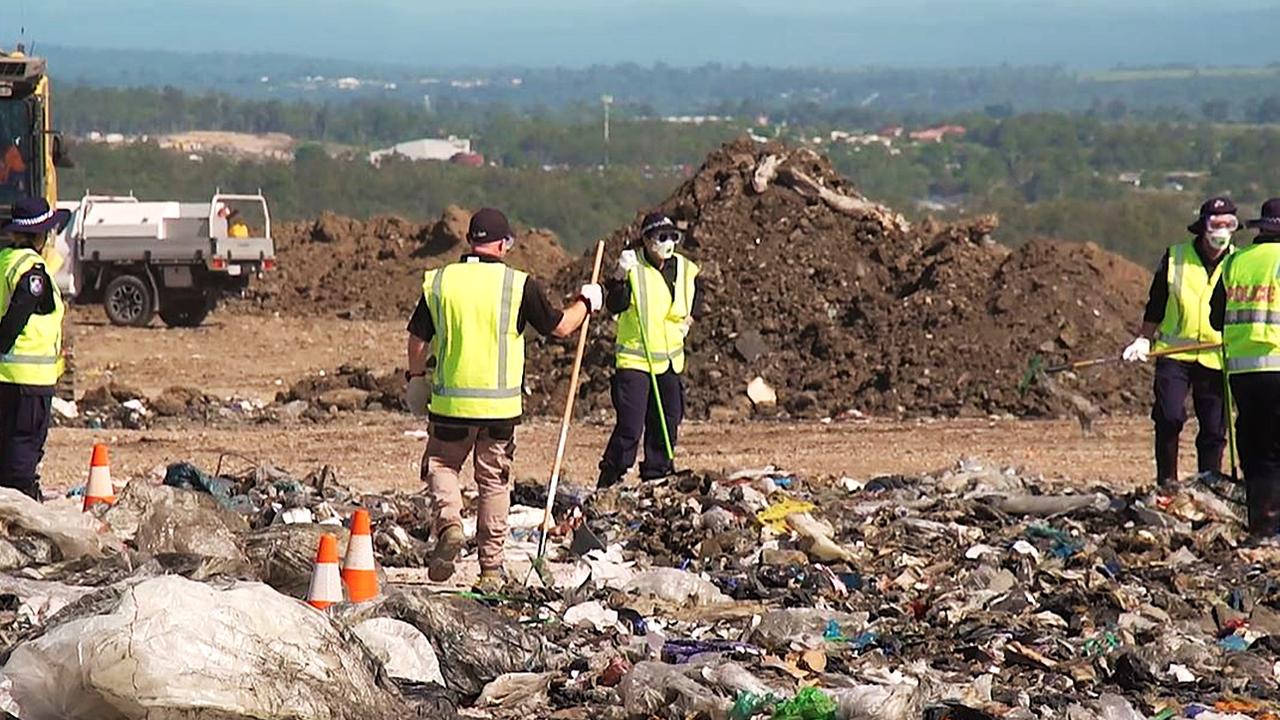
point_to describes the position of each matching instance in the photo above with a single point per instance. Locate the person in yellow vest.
(473, 314)
(665, 300)
(30, 342)
(1246, 307)
(236, 227)
(1177, 313)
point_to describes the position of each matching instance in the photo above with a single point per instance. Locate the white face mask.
(1219, 239)
(665, 249)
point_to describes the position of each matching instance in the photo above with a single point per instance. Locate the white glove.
(593, 296)
(684, 327)
(416, 395)
(1137, 350)
(628, 261)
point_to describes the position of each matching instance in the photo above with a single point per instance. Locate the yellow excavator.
(30, 151)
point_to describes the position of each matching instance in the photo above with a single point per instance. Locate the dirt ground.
(254, 356)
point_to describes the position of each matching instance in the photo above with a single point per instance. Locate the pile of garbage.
(973, 592)
(372, 269)
(315, 398)
(840, 306)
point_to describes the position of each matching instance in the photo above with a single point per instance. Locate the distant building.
(438, 149)
(1130, 178)
(938, 134)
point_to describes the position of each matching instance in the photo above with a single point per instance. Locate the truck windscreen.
(19, 165)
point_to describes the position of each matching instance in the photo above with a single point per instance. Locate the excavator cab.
(30, 152)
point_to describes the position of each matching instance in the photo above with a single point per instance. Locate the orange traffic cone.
(99, 490)
(358, 571)
(326, 586)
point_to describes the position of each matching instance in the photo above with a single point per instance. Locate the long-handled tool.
(653, 377)
(1037, 366)
(1227, 410)
(538, 565)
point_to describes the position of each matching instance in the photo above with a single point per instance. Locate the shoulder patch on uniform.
(35, 284)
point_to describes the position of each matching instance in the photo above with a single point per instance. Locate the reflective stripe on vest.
(36, 356)
(1186, 315)
(479, 351)
(1251, 328)
(660, 313)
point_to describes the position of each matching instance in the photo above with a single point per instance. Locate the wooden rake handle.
(568, 412)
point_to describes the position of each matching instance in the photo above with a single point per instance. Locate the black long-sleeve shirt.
(618, 292)
(1158, 295)
(1218, 302)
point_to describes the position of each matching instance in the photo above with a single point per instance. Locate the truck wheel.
(185, 312)
(128, 301)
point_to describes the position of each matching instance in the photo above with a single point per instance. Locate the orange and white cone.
(326, 585)
(99, 490)
(358, 571)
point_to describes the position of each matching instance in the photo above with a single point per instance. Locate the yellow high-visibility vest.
(661, 312)
(479, 352)
(36, 356)
(1251, 327)
(1186, 313)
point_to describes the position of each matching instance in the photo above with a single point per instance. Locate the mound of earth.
(843, 307)
(373, 269)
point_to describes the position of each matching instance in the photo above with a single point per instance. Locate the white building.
(441, 149)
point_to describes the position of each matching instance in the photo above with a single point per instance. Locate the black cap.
(1213, 206)
(654, 222)
(488, 225)
(1269, 223)
(33, 216)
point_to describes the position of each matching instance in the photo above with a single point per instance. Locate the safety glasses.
(1222, 222)
(674, 236)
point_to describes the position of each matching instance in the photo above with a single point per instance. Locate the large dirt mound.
(373, 269)
(841, 306)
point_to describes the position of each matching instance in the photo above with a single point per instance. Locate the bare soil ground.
(255, 356)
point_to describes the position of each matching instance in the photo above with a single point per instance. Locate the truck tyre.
(128, 301)
(184, 312)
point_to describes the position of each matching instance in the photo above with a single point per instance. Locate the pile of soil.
(373, 269)
(842, 307)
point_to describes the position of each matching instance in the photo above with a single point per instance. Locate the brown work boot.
(448, 546)
(491, 581)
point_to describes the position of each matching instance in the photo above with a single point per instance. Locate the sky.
(1085, 34)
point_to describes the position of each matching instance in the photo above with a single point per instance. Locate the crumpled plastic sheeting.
(73, 532)
(402, 648)
(676, 586)
(283, 556)
(475, 645)
(162, 519)
(516, 690)
(805, 627)
(654, 689)
(173, 648)
(41, 599)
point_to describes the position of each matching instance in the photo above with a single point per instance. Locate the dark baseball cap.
(488, 225)
(654, 222)
(1213, 206)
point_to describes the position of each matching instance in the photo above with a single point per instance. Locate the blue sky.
(934, 33)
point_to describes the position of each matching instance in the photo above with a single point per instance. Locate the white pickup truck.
(139, 258)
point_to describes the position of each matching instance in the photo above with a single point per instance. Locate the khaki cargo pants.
(493, 448)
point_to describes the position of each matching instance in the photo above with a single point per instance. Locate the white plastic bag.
(75, 533)
(402, 648)
(171, 647)
(677, 587)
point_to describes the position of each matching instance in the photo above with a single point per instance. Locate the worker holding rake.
(1177, 314)
(656, 298)
(473, 314)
